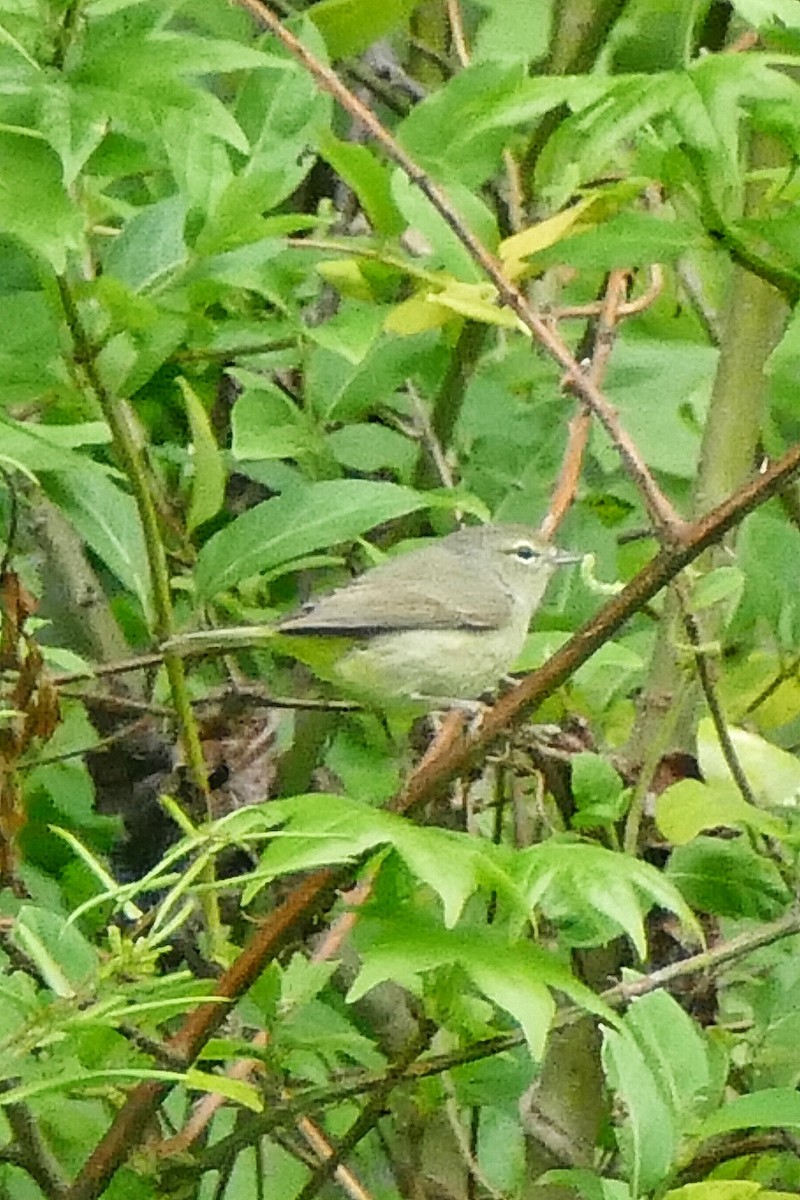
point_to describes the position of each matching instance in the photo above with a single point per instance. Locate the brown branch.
(32, 1154)
(451, 755)
(667, 520)
(617, 996)
(580, 425)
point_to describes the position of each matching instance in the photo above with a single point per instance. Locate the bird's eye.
(525, 552)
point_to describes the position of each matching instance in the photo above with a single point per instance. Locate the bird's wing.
(384, 600)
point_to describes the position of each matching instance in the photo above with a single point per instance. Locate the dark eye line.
(525, 552)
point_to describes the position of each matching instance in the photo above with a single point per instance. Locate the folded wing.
(384, 599)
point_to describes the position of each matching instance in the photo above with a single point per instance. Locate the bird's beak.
(562, 557)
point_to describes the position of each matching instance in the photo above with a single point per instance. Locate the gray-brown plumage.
(443, 622)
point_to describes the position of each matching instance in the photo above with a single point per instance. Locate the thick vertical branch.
(753, 321)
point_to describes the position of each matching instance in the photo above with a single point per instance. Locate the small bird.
(438, 626)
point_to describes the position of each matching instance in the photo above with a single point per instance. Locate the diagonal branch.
(667, 521)
(451, 755)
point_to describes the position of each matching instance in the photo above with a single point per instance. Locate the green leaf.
(35, 206)
(369, 178)
(724, 1189)
(647, 1139)
(767, 12)
(282, 113)
(446, 249)
(517, 978)
(574, 882)
(73, 124)
(666, 426)
(61, 954)
(304, 519)
(351, 26)
(721, 584)
(151, 247)
(108, 520)
(688, 807)
(597, 790)
(373, 447)
(771, 1107)
(677, 1053)
(772, 773)
(460, 130)
(237, 1090)
(728, 878)
(208, 480)
(588, 1184)
(511, 32)
(628, 240)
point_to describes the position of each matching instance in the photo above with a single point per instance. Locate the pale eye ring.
(525, 552)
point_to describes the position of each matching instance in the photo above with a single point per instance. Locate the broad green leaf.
(513, 31)
(630, 239)
(446, 250)
(460, 130)
(108, 520)
(307, 518)
(773, 774)
(30, 350)
(665, 425)
(689, 807)
(369, 178)
(728, 878)
(723, 1189)
(351, 26)
(72, 124)
(655, 36)
(648, 1139)
(282, 113)
(764, 12)
(768, 554)
(574, 882)
(237, 1090)
(517, 978)
(208, 480)
(36, 451)
(721, 584)
(372, 447)
(352, 332)
(200, 163)
(35, 206)
(585, 144)
(597, 790)
(61, 954)
(151, 247)
(771, 1107)
(677, 1053)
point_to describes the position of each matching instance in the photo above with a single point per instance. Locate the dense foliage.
(266, 314)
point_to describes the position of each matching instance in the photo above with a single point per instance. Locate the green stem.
(133, 464)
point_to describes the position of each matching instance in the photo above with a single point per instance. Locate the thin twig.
(705, 677)
(429, 438)
(618, 996)
(451, 755)
(456, 21)
(566, 486)
(671, 526)
(34, 1156)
